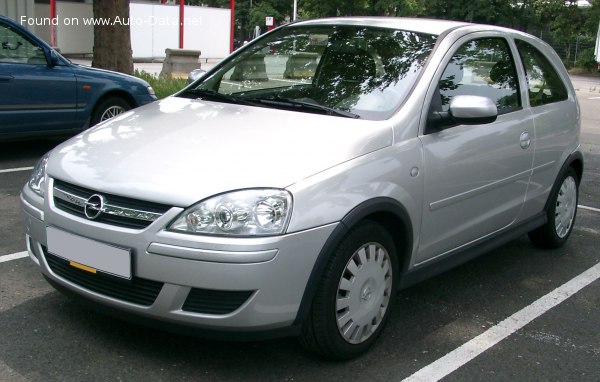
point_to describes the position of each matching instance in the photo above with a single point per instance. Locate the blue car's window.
(361, 71)
(16, 48)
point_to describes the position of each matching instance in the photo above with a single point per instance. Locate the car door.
(34, 96)
(556, 117)
(476, 176)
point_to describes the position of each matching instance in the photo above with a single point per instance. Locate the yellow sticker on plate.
(81, 266)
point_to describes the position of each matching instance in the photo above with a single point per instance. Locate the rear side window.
(482, 67)
(544, 83)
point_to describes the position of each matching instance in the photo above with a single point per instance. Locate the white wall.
(212, 35)
(17, 8)
(153, 27)
(73, 36)
(148, 39)
(42, 10)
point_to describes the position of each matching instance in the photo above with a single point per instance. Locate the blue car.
(43, 93)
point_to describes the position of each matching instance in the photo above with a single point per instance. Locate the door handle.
(6, 78)
(525, 140)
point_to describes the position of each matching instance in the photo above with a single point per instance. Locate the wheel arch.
(386, 211)
(575, 160)
(115, 93)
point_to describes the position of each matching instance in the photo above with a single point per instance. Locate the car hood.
(102, 72)
(179, 151)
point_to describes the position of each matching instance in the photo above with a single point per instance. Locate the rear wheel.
(561, 213)
(354, 296)
(108, 108)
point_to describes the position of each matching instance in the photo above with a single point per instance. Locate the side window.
(17, 49)
(482, 67)
(544, 83)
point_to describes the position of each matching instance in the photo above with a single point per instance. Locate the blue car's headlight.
(255, 212)
(37, 182)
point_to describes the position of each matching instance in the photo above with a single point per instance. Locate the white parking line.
(594, 98)
(468, 351)
(14, 256)
(588, 208)
(16, 169)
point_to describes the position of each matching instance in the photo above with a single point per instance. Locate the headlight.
(151, 91)
(37, 182)
(258, 212)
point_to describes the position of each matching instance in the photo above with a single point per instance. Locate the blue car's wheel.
(109, 108)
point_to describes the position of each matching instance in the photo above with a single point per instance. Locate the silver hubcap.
(112, 111)
(363, 293)
(565, 207)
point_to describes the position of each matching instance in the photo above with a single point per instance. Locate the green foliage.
(561, 21)
(587, 60)
(258, 14)
(163, 86)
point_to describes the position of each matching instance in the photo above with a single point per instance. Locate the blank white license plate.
(89, 255)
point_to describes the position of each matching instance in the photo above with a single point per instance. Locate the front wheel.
(561, 213)
(108, 108)
(354, 296)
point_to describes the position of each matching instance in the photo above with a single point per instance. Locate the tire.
(108, 108)
(561, 213)
(354, 296)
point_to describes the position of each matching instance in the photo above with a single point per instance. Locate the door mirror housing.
(473, 110)
(54, 60)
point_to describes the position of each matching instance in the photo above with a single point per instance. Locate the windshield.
(346, 71)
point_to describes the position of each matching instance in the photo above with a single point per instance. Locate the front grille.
(137, 290)
(214, 301)
(119, 211)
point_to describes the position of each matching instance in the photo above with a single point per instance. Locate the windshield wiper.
(295, 104)
(212, 95)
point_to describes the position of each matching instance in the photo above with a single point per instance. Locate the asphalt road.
(45, 336)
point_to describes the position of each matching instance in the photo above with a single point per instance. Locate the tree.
(112, 43)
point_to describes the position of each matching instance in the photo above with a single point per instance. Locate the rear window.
(544, 84)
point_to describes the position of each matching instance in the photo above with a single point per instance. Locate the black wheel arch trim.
(575, 156)
(362, 211)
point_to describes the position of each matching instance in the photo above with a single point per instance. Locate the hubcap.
(566, 203)
(363, 293)
(112, 111)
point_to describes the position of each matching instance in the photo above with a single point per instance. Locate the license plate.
(89, 255)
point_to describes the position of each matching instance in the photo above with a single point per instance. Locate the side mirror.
(54, 60)
(195, 74)
(473, 110)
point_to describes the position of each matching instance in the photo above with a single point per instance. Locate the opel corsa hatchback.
(296, 186)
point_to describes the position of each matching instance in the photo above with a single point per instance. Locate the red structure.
(52, 26)
(181, 22)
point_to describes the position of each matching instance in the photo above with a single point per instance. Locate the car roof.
(421, 25)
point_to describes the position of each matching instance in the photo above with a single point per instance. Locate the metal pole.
(181, 22)
(576, 51)
(295, 10)
(52, 26)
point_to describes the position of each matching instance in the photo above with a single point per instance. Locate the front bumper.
(191, 275)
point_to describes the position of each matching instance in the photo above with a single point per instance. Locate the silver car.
(292, 189)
